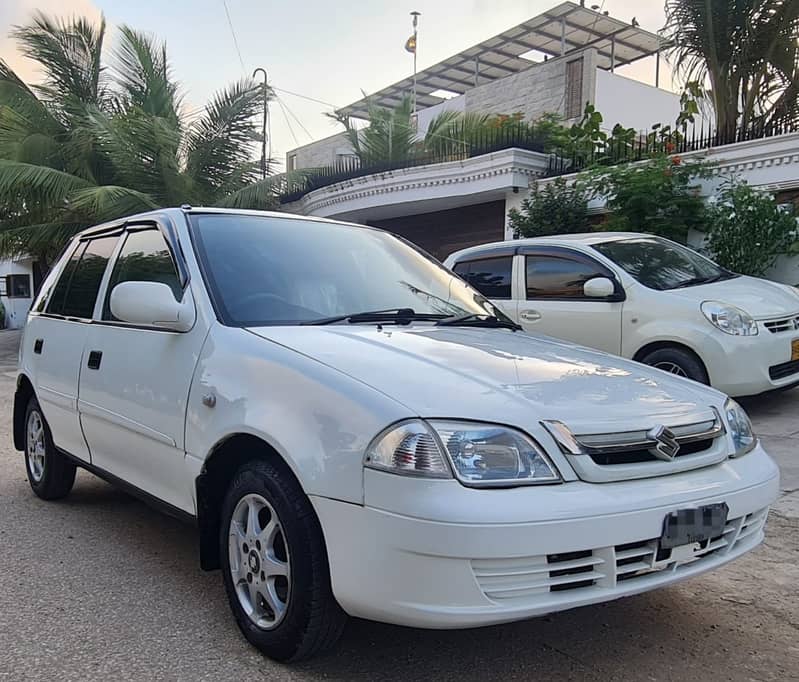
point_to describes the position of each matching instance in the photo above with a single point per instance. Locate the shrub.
(746, 230)
(556, 208)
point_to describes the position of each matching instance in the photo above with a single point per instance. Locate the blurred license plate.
(795, 349)
(686, 526)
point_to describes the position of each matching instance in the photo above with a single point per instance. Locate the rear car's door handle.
(95, 357)
(530, 315)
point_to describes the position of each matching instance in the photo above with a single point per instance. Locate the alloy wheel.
(671, 368)
(36, 446)
(259, 561)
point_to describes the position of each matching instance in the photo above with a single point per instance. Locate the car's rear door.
(135, 380)
(553, 302)
(492, 276)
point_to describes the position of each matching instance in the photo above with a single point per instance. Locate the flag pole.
(415, 16)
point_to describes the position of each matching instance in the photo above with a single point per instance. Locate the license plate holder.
(795, 350)
(699, 524)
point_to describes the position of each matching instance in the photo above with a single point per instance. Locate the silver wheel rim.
(36, 446)
(259, 561)
(671, 368)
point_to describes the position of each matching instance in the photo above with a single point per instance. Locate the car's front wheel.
(50, 473)
(677, 361)
(274, 565)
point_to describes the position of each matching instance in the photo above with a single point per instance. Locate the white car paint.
(403, 549)
(736, 365)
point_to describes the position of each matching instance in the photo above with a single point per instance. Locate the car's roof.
(581, 238)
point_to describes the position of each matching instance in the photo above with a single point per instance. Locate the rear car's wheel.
(274, 565)
(50, 473)
(679, 362)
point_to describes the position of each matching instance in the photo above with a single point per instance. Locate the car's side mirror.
(599, 287)
(152, 304)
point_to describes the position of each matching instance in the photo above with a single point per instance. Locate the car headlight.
(743, 435)
(480, 455)
(729, 318)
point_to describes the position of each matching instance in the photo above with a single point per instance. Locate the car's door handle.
(95, 357)
(37, 346)
(530, 315)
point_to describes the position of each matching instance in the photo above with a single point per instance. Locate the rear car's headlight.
(729, 318)
(481, 455)
(743, 435)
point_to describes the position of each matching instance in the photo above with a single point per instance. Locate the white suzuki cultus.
(356, 431)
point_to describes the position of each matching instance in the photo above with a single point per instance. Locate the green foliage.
(96, 142)
(657, 196)
(746, 230)
(556, 208)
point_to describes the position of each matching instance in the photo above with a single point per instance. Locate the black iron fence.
(574, 156)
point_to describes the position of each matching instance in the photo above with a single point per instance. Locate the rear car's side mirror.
(152, 304)
(599, 287)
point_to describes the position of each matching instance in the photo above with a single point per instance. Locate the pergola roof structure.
(564, 29)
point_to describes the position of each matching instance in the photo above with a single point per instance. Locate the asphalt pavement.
(99, 586)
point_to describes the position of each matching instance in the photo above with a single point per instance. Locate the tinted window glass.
(269, 270)
(490, 276)
(144, 257)
(660, 264)
(85, 282)
(55, 303)
(559, 276)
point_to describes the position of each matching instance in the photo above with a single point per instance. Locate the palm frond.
(107, 202)
(264, 194)
(37, 183)
(44, 240)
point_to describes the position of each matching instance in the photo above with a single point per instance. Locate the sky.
(329, 51)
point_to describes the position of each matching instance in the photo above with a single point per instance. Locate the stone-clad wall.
(322, 152)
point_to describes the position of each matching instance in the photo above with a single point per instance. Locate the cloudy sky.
(326, 50)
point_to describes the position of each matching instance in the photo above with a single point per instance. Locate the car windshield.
(266, 270)
(661, 264)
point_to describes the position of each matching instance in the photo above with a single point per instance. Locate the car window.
(559, 276)
(144, 257)
(490, 276)
(76, 291)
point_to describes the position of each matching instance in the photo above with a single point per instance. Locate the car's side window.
(490, 276)
(560, 276)
(144, 257)
(75, 293)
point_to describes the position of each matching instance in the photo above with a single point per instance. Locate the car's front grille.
(524, 578)
(784, 369)
(786, 324)
(645, 455)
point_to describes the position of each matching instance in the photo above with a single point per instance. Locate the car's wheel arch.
(662, 344)
(223, 460)
(24, 392)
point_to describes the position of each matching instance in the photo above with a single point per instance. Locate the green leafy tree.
(657, 196)
(746, 51)
(747, 231)
(557, 207)
(100, 139)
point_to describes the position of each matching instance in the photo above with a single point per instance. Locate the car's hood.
(758, 297)
(499, 375)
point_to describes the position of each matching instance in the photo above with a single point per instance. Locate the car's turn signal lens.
(408, 448)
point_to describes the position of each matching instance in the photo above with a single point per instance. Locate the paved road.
(100, 586)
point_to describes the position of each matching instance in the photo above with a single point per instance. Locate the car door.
(57, 331)
(492, 276)
(135, 380)
(553, 301)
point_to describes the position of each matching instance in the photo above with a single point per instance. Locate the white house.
(18, 282)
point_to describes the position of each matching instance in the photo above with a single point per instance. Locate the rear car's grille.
(787, 324)
(784, 369)
(524, 578)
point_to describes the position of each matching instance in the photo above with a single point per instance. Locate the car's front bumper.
(434, 554)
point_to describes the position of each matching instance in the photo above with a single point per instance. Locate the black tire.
(672, 359)
(313, 620)
(54, 475)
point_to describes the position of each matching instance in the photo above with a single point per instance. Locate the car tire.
(51, 474)
(678, 362)
(274, 565)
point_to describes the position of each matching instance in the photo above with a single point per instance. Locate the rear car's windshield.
(270, 270)
(660, 264)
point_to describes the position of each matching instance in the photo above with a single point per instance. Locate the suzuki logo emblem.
(666, 445)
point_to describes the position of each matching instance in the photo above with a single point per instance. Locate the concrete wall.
(632, 103)
(320, 153)
(16, 309)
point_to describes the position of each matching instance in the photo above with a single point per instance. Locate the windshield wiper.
(478, 320)
(700, 280)
(389, 315)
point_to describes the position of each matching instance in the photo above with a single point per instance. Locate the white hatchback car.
(645, 298)
(356, 431)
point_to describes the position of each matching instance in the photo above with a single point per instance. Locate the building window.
(18, 286)
(291, 162)
(574, 88)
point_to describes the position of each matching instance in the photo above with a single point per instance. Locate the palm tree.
(96, 140)
(746, 51)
